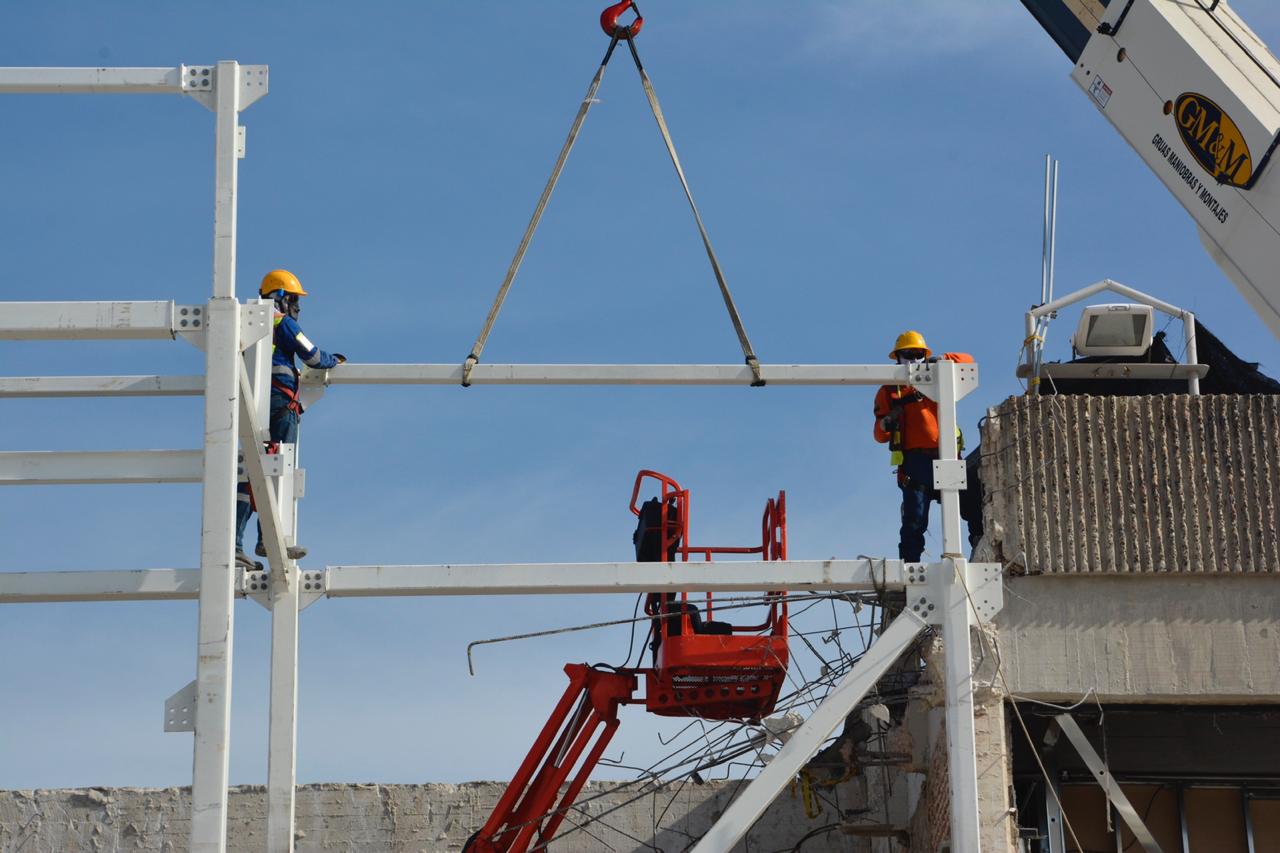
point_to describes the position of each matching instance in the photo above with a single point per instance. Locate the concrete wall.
(388, 819)
(1187, 639)
(1124, 485)
(931, 823)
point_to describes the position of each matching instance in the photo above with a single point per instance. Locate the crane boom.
(1197, 95)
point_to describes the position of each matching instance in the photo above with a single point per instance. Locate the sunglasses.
(911, 354)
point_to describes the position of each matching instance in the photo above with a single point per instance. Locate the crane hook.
(609, 21)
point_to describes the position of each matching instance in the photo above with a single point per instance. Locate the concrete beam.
(1179, 638)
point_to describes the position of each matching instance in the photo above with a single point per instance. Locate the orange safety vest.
(917, 417)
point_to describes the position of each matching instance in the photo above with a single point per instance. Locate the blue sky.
(862, 168)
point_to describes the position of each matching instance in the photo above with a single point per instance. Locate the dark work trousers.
(915, 480)
(283, 429)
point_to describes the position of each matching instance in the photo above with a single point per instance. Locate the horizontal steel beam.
(611, 374)
(137, 585)
(514, 579)
(68, 81)
(62, 321)
(567, 578)
(66, 467)
(101, 386)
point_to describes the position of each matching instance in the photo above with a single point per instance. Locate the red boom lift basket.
(702, 668)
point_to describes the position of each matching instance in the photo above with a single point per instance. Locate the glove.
(933, 359)
(889, 422)
(342, 359)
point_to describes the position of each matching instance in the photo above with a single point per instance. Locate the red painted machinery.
(702, 667)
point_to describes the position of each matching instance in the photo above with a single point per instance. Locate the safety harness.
(898, 407)
(609, 23)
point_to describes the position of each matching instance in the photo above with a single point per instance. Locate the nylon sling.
(619, 34)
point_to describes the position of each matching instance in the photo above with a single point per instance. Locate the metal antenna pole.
(1044, 239)
(1053, 230)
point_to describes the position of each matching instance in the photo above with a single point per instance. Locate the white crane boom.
(1197, 95)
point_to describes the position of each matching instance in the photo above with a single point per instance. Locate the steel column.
(1053, 826)
(962, 762)
(226, 174)
(217, 552)
(1245, 799)
(282, 735)
(805, 741)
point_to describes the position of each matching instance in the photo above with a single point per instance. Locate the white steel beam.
(217, 549)
(137, 585)
(65, 467)
(69, 81)
(101, 386)
(569, 578)
(60, 321)
(1102, 775)
(805, 741)
(611, 374)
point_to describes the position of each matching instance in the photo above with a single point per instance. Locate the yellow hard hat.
(280, 280)
(910, 340)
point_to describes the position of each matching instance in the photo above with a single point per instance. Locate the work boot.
(294, 552)
(243, 561)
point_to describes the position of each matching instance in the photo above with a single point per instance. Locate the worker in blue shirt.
(288, 341)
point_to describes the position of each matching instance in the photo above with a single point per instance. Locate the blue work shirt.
(289, 341)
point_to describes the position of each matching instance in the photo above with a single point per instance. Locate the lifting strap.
(627, 33)
(652, 95)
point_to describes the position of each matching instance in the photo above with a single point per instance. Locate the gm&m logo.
(1213, 139)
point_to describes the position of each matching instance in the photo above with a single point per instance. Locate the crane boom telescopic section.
(1196, 93)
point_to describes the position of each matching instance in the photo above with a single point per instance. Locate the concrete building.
(1140, 539)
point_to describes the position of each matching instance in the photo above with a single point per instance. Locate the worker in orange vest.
(908, 422)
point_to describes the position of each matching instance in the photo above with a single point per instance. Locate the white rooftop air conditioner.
(1114, 330)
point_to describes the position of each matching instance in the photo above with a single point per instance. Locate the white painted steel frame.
(282, 736)
(610, 374)
(217, 578)
(69, 81)
(572, 578)
(962, 763)
(62, 321)
(939, 582)
(82, 467)
(225, 89)
(136, 585)
(101, 386)
(1052, 308)
(217, 550)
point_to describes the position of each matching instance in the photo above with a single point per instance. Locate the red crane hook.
(609, 21)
